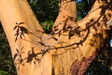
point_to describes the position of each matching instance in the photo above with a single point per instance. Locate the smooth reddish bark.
(70, 48)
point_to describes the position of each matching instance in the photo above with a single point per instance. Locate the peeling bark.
(79, 67)
(71, 43)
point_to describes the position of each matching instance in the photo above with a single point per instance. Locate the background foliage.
(46, 12)
(6, 61)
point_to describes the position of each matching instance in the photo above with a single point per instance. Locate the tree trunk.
(68, 50)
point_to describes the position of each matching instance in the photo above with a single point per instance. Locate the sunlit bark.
(70, 47)
(80, 41)
(24, 35)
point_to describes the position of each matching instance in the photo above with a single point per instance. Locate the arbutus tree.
(71, 46)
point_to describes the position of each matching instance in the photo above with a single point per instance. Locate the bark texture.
(68, 50)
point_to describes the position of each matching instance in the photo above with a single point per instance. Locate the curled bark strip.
(109, 24)
(79, 67)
